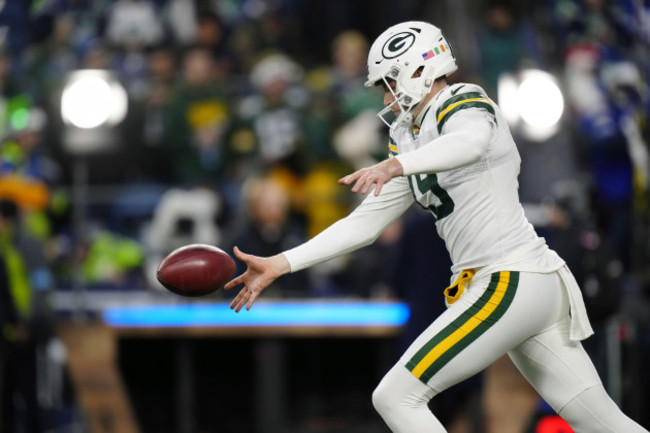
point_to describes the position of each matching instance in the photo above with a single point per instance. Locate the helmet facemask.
(405, 100)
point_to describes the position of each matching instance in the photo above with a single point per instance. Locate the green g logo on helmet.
(398, 45)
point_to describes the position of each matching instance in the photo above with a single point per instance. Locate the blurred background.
(131, 127)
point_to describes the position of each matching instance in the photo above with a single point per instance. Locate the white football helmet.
(398, 53)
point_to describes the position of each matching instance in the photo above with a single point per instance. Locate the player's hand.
(259, 274)
(378, 174)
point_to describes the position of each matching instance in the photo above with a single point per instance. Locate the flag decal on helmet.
(432, 53)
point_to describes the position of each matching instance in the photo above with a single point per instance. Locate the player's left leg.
(593, 411)
(563, 374)
(497, 312)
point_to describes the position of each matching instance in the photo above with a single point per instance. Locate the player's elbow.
(473, 143)
(367, 238)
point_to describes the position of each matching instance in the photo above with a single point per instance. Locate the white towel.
(580, 326)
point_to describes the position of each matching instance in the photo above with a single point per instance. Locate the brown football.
(196, 270)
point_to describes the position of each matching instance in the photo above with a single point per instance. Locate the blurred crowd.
(221, 111)
(238, 127)
(242, 115)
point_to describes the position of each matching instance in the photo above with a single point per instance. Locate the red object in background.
(553, 424)
(196, 270)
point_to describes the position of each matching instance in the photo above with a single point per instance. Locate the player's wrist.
(280, 265)
(394, 167)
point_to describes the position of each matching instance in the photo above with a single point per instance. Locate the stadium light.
(92, 98)
(93, 104)
(532, 103)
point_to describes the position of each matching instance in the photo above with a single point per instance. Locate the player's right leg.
(497, 312)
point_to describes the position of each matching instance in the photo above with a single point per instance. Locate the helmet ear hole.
(418, 72)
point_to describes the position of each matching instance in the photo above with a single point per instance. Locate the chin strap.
(405, 119)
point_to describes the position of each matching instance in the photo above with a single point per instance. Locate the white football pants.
(523, 314)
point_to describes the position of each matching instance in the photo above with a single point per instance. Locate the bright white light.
(507, 88)
(91, 99)
(539, 99)
(532, 103)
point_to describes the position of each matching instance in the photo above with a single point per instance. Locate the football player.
(451, 151)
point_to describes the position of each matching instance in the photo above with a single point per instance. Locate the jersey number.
(429, 183)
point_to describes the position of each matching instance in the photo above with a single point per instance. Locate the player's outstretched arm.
(378, 174)
(260, 273)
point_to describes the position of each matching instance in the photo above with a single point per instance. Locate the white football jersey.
(476, 206)
(469, 186)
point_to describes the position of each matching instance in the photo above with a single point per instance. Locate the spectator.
(349, 54)
(274, 110)
(95, 55)
(112, 261)
(24, 283)
(506, 43)
(606, 96)
(212, 34)
(28, 175)
(162, 70)
(49, 62)
(345, 102)
(181, 18)
(196, 122)
(133, 21)
(267, 28)
(23, 150)
(269, 229)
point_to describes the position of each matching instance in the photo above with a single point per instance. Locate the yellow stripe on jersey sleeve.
(462, 101)
(452, 106)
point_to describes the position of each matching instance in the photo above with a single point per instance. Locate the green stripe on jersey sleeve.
(461, 102)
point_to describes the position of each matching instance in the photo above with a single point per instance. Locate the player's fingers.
(232, 283)
(234, 302)
(362, 182)
(240, 300)
(236, 299)
(368, 184)
(241, 279)
(251, 300)
(378, 188)
(241, 255)
(347, 180)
